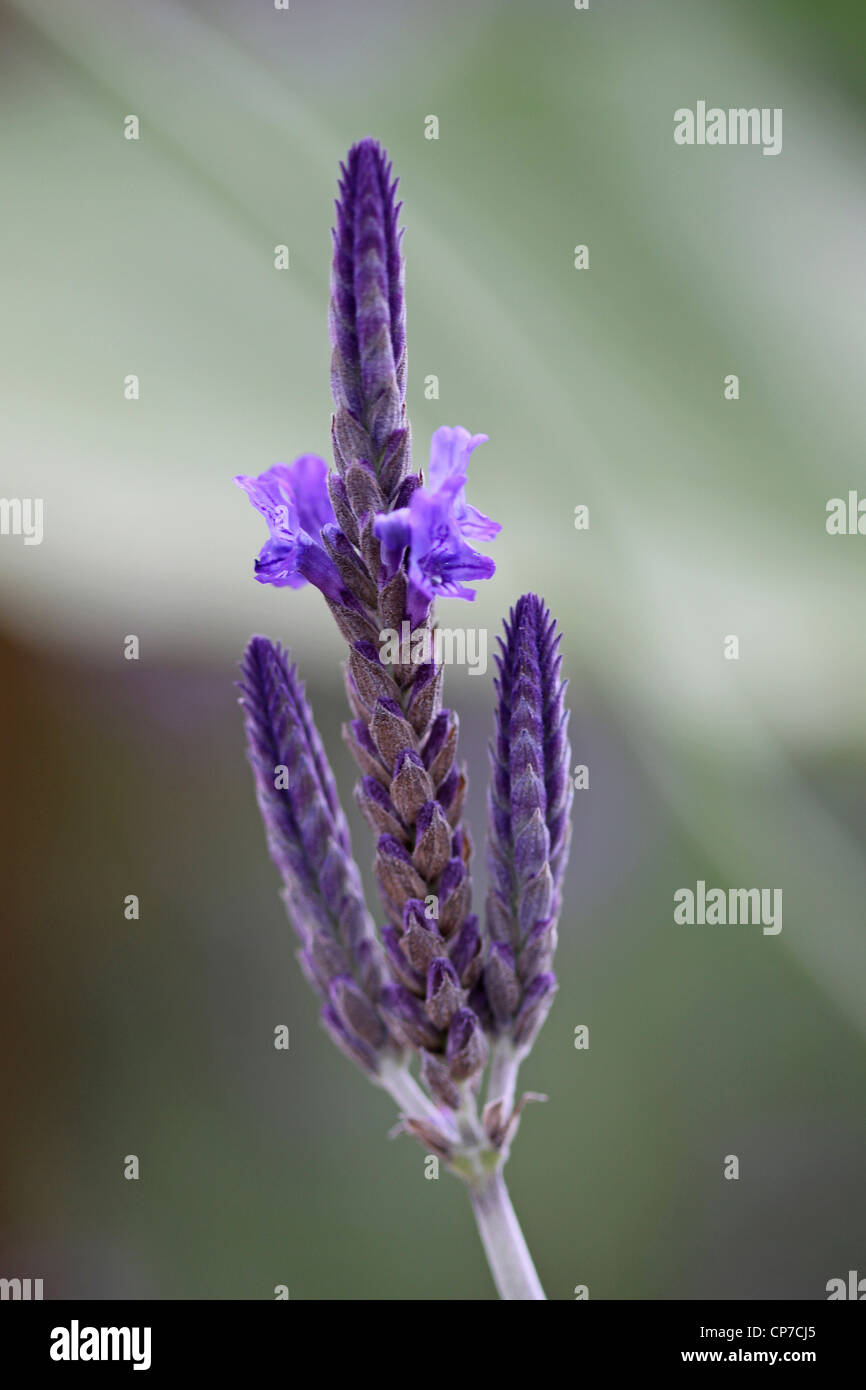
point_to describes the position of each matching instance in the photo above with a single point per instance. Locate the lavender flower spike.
(309, 842)
(529, 804)
(405, 743)
(382, 544)
(368, 324)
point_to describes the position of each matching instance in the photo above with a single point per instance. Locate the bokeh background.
(601, 387)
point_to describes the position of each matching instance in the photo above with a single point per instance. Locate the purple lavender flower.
(293, 499)
(309, 842)
(367, 325)
(405, 743)
(529, 827)
(449, 460)
(435, 525)
(381, 545)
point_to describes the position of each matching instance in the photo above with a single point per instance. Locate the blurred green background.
(601, 387)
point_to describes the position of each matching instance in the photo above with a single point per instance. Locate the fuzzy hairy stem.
(397, 1080)
(507, 1253)
(479, 1165)
(505, 1060)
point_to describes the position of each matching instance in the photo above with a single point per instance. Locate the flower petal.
(394, 530)
(307, 480)
(476, 524)
(450, 448)
(293, 499)
(271, 497)
(277, 564)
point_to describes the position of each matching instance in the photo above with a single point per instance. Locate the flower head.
(435, 526)
(368, 322)
(309, 842)
(293, 499)
(529, 827)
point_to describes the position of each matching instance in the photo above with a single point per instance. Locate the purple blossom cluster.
(381, 543)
